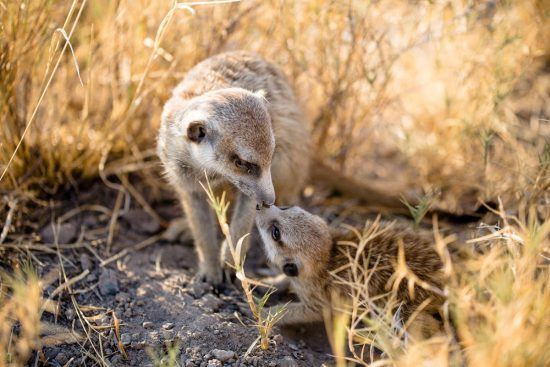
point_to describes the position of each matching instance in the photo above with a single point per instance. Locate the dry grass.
(20, 313)
(447, 96)
(496, 310)
(264, 321)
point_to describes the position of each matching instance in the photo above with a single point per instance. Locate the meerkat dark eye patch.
(196, 132)
(239, 163)
(290, 269)
(244, 166)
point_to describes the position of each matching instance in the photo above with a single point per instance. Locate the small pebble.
(126, 338)
(91, 278)
(214, 363)
(168, 335)
(108, 284)
(288, 362)
(85, 262)
(168, 326)
(147, 325)
(122, 297)
(61, 358)
(223, 355)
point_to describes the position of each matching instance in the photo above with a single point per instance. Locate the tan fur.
(321, 258)
(248, 107)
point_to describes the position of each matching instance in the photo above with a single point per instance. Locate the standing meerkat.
(235, 117)
(319, 267)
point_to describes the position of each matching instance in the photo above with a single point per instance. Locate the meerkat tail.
(324, 173)
(380, 198)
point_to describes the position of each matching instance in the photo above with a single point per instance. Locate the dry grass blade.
(114, 219)
(69, 283)
(43, 93)
(143, 244)
(117, 334)
(9, 217)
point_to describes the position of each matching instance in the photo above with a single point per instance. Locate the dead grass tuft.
(20, 313)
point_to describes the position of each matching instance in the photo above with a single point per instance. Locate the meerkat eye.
(239, 163)
(275, 233)
(244, 166)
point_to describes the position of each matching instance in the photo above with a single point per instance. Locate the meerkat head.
(228, 133)
(296, 241)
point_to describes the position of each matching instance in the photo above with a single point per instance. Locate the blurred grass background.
(421, 96)
(448, 94)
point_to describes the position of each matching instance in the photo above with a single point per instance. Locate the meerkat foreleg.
(297, 313)
(203, 226)
(242, 222)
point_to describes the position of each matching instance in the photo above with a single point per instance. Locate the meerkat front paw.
(211, 274)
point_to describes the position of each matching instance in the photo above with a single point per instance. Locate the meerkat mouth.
(262, 205)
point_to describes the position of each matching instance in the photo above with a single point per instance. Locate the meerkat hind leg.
(178, 230)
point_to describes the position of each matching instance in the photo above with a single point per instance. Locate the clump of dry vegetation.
(264, 321)
(448, 97)
(20, 305)
(496, 308)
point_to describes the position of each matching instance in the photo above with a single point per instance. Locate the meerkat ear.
(196, 131)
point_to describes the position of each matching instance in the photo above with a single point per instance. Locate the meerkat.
(235, 117)
(319, 267)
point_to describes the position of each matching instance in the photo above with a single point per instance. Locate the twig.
(141, 200)
(114, 219)
(13, 205)
(149, 241)
(68, 283)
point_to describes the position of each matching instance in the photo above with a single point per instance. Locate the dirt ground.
(124, 269)
(148, 284)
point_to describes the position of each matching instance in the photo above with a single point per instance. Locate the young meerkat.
(235, 117)
(301, 245)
